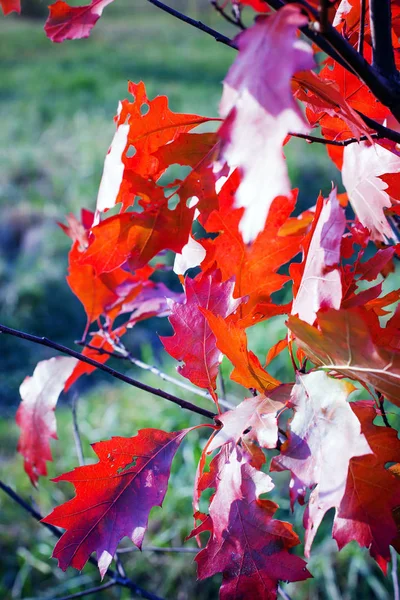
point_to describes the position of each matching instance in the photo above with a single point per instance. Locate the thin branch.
(88, 591)
(236, 21)
(381, 400)
(219, 37)
(318, 140)
(396, 590)
(338, 48)
(283, 594)
(94, 363)
(381, 36)
(361, 35)
(121, 581)
(381, 130)
(177, 549)
(122, 353)
(77, 435)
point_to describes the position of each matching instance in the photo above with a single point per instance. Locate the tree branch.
(237, 22)
(121, 581)
(122, 353)
(343, 143)
(381, 35)
(90, 361)
(88, 591)
(219, 37)
(361, 36)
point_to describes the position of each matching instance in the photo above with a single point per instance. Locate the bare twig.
(381, 36)
(121, 581)
(90, 361)
(361, 35)
(381, 400)
(77, 436)
(232, 20)
(219, 37)
(121, 352)
(283, 594)
(88, 591)
(177, 549)
(342, 143)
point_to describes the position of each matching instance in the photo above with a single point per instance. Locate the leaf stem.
(43, 341)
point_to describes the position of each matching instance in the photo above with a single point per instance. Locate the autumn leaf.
(323, 423)
(9, 6)
(344, 343)
(67, 22)
(193, 341)
(35, 416)
(247, 545)
(113, 496)
(232, 341)
(259, 111)
(256, 418)
(320, 286)
(372, 492)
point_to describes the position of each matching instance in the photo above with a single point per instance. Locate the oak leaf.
(259, 111)
(113, 496)
(67, 22)
(323, 422)
(35, 415)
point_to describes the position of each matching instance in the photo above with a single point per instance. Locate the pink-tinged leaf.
(259, 111)
(372, 491)
(323, 436)
(363, 166)
(247, 545)
(352, 342)
(320, 285)
(256, 418)
(9, 6)
(114, 496)
(193, 341)
(35, 415)
(73, 22)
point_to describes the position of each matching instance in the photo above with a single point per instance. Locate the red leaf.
(35, 415)
(73, 22)
(138, 237)
(9, 6)
(259, 112)
(347, 342)
(193, 341)
(114, 496)
(232, 341)
(323, 422)
(246, 545)
(372, 491)
(320, 285)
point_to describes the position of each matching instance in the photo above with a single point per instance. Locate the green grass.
(56, 113)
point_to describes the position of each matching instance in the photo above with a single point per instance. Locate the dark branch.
(319, 140)
(361, 36)
(115, 577)
(236, 21)
(88, 591)
(219, 37)
(381, 35)
(381, 401)
(90, 361)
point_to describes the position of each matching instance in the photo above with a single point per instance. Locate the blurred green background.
(57, 104)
